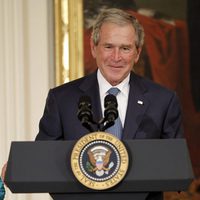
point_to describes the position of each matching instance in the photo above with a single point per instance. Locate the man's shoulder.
(152, 86)
(73, 85)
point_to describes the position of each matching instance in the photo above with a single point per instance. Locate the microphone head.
(84, 113)
(85, 109)
(110, 99)
(110, 104)
(85, 100)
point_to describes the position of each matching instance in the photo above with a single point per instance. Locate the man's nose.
(116, 54)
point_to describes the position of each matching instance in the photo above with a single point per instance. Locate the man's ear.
(137, 56)
(93, 48)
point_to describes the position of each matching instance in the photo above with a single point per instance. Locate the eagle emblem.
(99, 160)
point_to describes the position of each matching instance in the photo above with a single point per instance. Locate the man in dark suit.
(147, 110)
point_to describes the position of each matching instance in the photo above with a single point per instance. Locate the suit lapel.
(137, 105)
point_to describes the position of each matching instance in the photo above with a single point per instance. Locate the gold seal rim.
(82, 143)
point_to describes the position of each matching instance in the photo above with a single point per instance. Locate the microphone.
(85, 112)
(111, 112)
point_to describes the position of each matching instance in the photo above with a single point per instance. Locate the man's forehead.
(112, 30)
(118, 44)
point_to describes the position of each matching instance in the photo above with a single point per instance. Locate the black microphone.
(85, 112)
(111, 112)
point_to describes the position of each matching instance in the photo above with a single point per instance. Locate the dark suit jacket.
(158, 117)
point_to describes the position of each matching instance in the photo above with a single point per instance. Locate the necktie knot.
(114, 91)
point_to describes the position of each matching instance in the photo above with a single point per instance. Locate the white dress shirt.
(122, 97)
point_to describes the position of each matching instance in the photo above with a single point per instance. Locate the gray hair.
(121, 18)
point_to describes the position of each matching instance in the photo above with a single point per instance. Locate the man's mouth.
(116, 66)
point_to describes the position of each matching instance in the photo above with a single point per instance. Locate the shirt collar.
(104, 85)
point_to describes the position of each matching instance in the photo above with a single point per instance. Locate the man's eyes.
(125, 49)
(108, 46)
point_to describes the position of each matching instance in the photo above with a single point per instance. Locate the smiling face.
(115, 52)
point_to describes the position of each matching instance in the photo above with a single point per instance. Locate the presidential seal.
(99, 160)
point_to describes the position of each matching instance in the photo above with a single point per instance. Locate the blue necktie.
(116, 129)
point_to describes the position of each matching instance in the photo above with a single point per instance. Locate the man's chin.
(115, 81)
